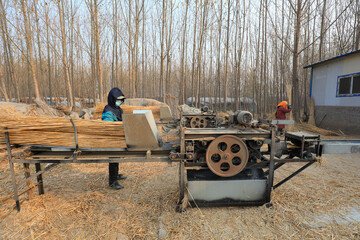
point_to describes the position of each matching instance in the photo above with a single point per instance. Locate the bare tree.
(182, 86)
(162, 75)
(28, 37)
(218, 74)
(227, 58)
(2, 86)
(295, 66)
(97, 49)
(201, 43)
(64, 53)
(8, 51)
(322, 33)
(48, 50)
(357, 26)
(255, 51)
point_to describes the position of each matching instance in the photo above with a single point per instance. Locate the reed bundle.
(55, 131)
(127, 109)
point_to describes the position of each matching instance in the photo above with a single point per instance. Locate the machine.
(222, 162)
(234, 163)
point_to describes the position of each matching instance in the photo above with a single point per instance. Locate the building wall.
(332, 112)
(325, 78)
(346, 119)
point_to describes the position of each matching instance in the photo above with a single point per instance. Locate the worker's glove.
(290, 106)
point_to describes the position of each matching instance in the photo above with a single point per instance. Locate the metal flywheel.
(227, 155)
(198, 122)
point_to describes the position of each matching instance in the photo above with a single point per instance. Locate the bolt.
(226, 156)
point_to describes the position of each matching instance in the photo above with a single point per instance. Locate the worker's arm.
(286, 110)
(109, 116)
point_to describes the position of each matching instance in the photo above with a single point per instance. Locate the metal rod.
(103, 160)
(31, 188)
(182, 167)
(51, 165)
(182, 180)
(302, 147)
(271, 165)
(278, 165)
(39, 179)
(293, 175)
(318, 147)
(75, 132)
(77, 151)
(12, 171)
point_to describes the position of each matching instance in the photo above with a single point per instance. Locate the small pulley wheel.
(198, 122)
(227, 155)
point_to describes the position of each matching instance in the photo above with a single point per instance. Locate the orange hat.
(282, 104)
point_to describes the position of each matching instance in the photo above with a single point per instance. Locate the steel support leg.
(182, 181)
(270, 181)
(39, 179)
(181, 205)
(12, 171)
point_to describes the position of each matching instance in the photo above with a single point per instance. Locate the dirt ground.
(320, 203)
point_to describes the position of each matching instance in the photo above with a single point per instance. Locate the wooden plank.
(28, 180)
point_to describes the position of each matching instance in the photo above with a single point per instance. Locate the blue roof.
(330, 59)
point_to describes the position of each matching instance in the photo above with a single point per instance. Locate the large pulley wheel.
(227, 155)
(198, 122)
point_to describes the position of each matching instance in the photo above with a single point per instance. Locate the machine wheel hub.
(227, 155)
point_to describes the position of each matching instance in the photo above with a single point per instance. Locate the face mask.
(118, 103)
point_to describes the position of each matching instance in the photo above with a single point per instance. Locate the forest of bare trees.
(159, 48)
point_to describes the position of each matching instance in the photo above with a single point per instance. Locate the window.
(356, 84)
(344, 85)
(349, 85)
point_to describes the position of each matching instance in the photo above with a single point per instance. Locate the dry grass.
(311, 128)
(99, 108)
(40, 130)
(78, 205)
(173, 103)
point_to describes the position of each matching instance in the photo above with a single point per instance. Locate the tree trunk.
(295, 70)
(357, 30)
(322, 33)
(168, 49)
(28, 37)
(64, 53)
(2, 86)
(40, 74)
(130, 46)
(162, 75)
(203, 30)
(97, 49)
(182, 86)
(193, 56)
(218, 74)
(48, 51)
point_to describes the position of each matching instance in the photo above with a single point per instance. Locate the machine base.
(247, 188)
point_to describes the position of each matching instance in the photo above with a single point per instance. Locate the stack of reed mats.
(128, 109)
(55, 131)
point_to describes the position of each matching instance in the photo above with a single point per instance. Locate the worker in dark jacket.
(282, 109)
(113, 112)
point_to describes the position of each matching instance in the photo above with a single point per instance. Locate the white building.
(335, 88)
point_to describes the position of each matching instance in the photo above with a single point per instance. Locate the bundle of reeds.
(127, 109)
(55, 131)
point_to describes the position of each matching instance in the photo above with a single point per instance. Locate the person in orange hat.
(282, 109)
